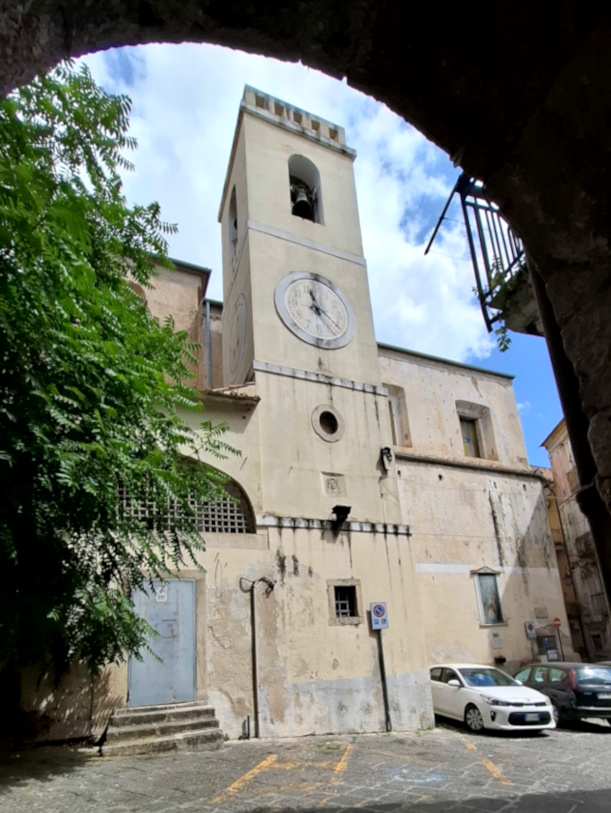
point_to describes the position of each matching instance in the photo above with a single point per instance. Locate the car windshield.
(487, 677)
(594, 674)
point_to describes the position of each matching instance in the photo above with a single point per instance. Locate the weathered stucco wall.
(438, 392)
(472, 512)
(315, 675)
(466, 520)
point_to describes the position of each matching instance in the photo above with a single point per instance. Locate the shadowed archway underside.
(517, 94)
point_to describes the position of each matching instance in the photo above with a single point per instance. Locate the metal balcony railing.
(496, 252)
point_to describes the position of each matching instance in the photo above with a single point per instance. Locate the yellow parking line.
(342, 765)
(338, 771)
(243, 780)
(490, 766)
(496, 772)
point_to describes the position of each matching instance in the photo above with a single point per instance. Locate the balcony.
(499, 263)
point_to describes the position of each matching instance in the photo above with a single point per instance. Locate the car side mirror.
(454, 682)
(519, 682)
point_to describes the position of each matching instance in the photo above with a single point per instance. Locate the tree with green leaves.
(91, 386)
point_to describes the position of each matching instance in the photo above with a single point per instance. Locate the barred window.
(345, 601)
(230, 513)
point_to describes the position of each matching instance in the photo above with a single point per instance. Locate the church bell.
(302, 206)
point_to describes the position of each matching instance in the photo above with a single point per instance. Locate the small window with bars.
(345, 602)
(345, 605)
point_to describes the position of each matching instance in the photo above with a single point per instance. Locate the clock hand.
(321, 311)
(314, 304)
(326, 315)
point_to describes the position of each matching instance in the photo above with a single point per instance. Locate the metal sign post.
(379, 621)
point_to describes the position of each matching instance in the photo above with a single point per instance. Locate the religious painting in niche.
(490, 600)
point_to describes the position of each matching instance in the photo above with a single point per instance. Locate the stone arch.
(520, 100)
(139, 291)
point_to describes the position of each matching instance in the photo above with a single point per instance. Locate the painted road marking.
(496, 772)
(339, 769)
(342, 765)
(243, 780)
(417, 776)
(490, 766)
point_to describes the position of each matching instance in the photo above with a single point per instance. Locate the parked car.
(577, 690)
(486, 697)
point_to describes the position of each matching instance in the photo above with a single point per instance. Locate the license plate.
(532, 718)
(604, 696)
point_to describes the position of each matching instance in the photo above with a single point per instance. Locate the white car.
(486, 697)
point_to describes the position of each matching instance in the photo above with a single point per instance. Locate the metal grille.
(345, 602)
(230, 513)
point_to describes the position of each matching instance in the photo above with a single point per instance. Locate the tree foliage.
(91, 385)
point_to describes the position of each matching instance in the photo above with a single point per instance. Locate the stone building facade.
(367, 475)
(585, 600)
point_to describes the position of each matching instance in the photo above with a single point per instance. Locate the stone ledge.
(304, 523)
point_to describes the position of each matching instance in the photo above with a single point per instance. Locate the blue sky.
(185, 106)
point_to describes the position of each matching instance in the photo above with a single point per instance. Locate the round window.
(328, 423)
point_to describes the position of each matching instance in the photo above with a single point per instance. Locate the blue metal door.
(170, 610)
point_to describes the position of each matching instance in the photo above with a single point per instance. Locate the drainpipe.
(253, 622)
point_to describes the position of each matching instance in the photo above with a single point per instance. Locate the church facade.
(381, 515)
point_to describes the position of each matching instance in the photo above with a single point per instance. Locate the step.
(204, 740)
(162, 707)
(150, 728)
(159, 714)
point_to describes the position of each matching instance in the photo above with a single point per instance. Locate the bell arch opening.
(304, 181)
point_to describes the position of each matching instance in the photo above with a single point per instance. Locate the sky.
(185, 106)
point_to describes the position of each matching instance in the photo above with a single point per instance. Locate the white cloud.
(524, 407)
(185, 108)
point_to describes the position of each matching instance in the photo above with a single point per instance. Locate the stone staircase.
(151, 729)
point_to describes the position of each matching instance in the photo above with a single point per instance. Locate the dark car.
(577, 690)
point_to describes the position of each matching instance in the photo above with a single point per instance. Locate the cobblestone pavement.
(446, 769)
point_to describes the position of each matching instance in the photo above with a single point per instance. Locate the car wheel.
(473, 718)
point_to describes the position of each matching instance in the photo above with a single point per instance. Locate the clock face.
(315, 310)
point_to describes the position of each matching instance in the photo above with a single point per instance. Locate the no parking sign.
(379, 615)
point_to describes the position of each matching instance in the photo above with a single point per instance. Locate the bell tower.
(295, 280)
(297, 314)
